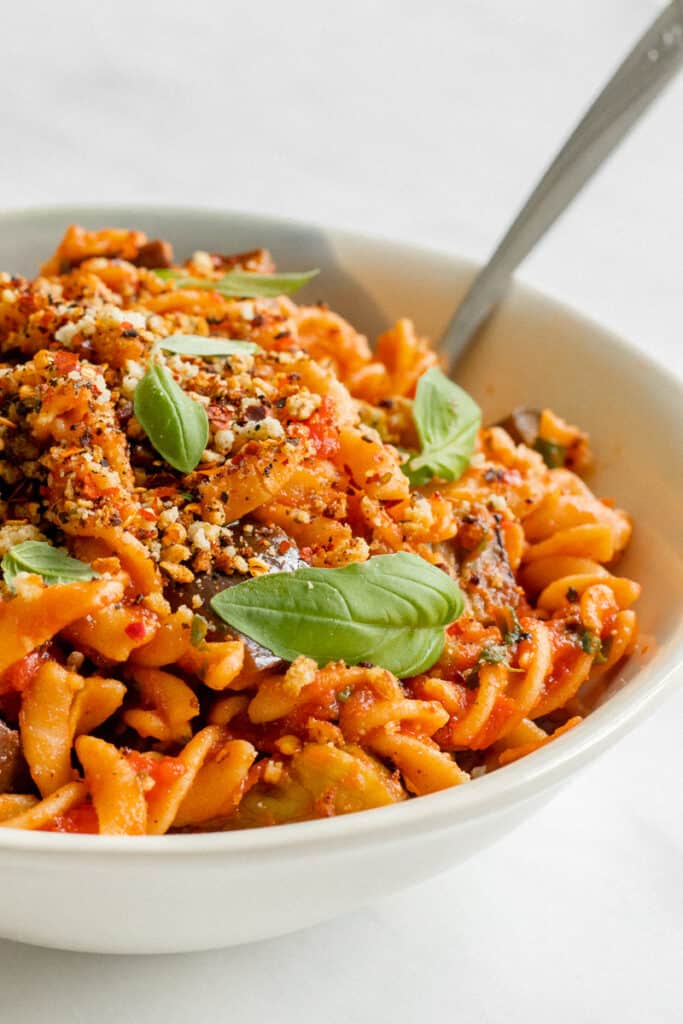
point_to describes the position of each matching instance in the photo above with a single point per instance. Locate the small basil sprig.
(447, 421)
(175, 424)
(391, 611)
(242, 284)
(42, 559)
(198, 345)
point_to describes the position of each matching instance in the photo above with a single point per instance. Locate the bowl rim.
(493, 793)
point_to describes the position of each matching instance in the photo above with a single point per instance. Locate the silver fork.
(652, 63)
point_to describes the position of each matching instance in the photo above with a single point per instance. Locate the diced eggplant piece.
(154, 255)
(483, 570)
(522, 425)
(275, 549)
(10, 757)
(258, 260)
(489, 582)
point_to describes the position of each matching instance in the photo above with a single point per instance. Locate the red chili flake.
(322, 431)
(65, 362)
(256, 413)
(221, 416)
(284, 547)
(283, 343)
(136, 630)
(148, 514)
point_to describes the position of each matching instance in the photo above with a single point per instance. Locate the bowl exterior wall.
(180, 905)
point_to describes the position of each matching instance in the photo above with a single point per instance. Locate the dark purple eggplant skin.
(263, 542)
(522, 425)
(10, 757)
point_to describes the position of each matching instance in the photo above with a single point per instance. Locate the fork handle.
(652, 63)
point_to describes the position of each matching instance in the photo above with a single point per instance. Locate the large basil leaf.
(391, 611)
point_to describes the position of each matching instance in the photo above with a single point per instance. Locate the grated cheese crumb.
(196, 534)
(16, 533)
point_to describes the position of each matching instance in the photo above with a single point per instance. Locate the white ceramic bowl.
(189, 892)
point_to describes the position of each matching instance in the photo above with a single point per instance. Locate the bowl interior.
(534, 352)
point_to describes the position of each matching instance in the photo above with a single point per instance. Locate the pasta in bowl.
(418, 600)
(256, 573)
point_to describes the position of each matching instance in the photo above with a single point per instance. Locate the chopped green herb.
(591, 643)
(513, 632)
(198, 630)
(494, 654)
(344, 694)
(554, 455)
(605, 648)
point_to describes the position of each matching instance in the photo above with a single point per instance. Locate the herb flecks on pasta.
(255, 572)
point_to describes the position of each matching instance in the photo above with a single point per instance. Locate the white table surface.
(427, 121)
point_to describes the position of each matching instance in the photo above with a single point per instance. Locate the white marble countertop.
(429, 122)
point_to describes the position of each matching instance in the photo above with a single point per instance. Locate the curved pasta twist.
(58, 706)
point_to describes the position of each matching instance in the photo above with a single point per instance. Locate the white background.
(426, 120)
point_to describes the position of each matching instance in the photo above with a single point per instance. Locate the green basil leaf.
(176, 425)
(243, 284)
(447, 421)
(391, 611)
(41, 558)
(197, 345)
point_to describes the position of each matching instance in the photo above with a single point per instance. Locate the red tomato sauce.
(81, 819)
(164, 770)
(19, 676)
